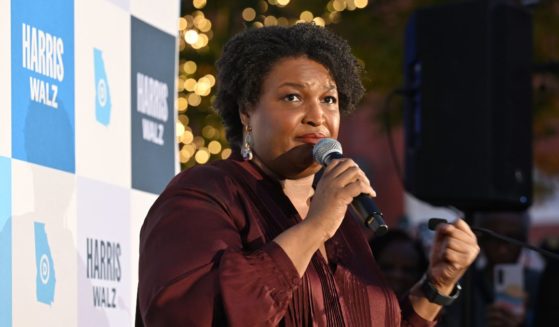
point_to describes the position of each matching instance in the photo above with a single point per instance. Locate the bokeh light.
(307, 16)
(190, 84)
(209, 132)
(361, 3)
(191, 37)
(249, 14)
(179, 129)
(194, 99)
(202, 156)
(182, 24)
(187, 137)
(225, 153)
(183, 104)
(270, 21)
(199, 4)
(189, 67)
(214, 147)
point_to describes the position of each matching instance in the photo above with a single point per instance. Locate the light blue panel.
(42, 39)
(5, 242)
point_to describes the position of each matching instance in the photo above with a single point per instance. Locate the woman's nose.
(314, 113)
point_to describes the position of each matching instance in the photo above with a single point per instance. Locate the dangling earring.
(246, 151)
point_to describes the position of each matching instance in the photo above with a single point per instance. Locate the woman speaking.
(248, 241)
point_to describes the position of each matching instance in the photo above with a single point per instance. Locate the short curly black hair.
(249, 56)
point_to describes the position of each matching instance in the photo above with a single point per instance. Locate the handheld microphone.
(434, 222)
(328, 149)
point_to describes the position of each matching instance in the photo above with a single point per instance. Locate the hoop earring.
(246, 151)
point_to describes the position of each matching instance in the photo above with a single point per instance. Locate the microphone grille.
(323, 148)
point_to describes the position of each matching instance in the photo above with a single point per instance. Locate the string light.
(180, 84)
(270, 21)
(211, 79)
(194, 99)
(306, 16)
(187, 137)
(189, 67)
(190, 84)
(202, 156)
(183, 104)
(339, 5)
(199, 4)
(184, 156)
(182, 24)
(203, 87)
(214, 147)
(262, 6)
(282, 21)
(179, 129)
(208, 132)
(361, 3)
(191, 37)
(225, 153)
(248, 14)
(199, 142)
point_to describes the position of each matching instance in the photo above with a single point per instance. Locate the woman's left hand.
(454, 249)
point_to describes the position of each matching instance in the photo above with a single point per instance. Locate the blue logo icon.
(46, 278)
(102, 93)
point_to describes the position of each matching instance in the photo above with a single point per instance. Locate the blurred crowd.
(401, 255)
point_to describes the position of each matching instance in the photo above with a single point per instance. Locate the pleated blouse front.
(207, 259)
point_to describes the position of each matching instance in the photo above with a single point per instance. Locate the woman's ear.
(245, 116)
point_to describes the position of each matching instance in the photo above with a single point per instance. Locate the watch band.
(433, 295)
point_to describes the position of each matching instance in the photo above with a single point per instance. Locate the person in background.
(248, 241)
(485, 311)
(400, 258)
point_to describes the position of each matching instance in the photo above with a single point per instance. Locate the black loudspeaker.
(468, 109)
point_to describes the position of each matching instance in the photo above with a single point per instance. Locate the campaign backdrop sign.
(102, 60)
(43, 246)
(103, 255)
(42, 54)
(153, 114)
(69, 215)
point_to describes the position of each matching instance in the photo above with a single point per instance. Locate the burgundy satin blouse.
(207, 259)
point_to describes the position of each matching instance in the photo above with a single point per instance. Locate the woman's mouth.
(310, 138)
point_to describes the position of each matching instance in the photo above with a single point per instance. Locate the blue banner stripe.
(5, 243)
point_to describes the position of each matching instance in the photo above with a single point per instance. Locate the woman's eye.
(291, 97)
(330, 100)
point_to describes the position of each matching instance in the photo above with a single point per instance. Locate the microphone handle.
(433, 222)
(370, 214)
(364, 205)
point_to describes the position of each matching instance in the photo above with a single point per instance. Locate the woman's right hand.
(341, 181)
